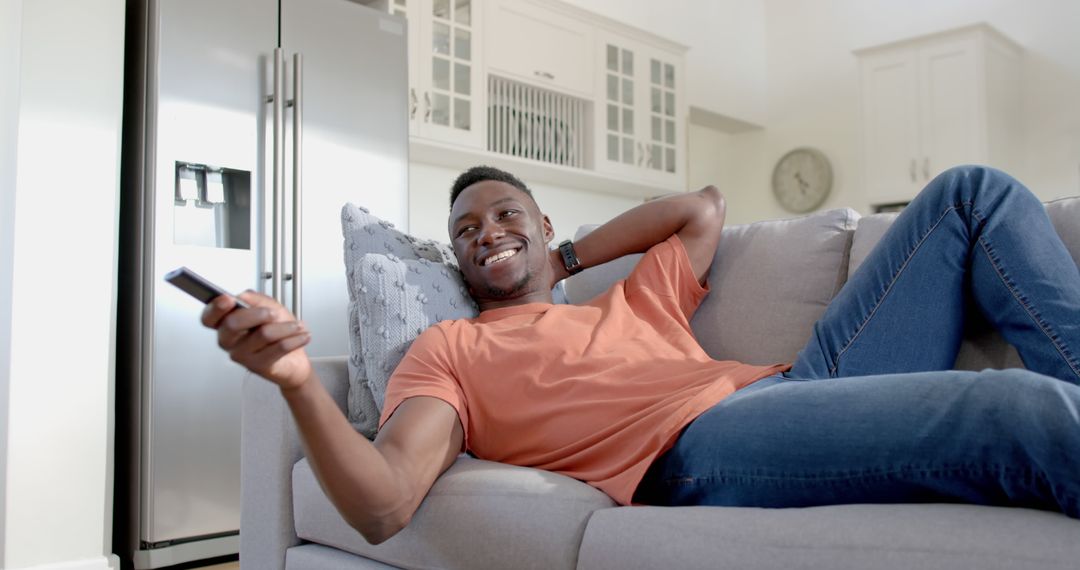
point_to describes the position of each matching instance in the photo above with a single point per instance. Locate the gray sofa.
(481, 514)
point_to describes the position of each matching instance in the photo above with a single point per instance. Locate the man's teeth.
(500, 256)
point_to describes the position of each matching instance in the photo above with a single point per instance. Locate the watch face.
(802, 179)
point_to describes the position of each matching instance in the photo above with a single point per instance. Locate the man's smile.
(500, 256)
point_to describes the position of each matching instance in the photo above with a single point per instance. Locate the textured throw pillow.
(769, 282)
(397, 300)
(364, 234)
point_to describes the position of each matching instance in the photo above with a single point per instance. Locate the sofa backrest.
(769, 282)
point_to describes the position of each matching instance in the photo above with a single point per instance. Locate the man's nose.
(490, 231)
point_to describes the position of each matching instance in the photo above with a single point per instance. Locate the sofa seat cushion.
(769, 283)
(835, 537)
(479, 514)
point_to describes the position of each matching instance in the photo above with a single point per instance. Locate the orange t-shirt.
(594, 391)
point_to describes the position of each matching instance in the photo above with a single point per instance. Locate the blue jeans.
(870, 412)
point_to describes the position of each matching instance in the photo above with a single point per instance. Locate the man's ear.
(549, 232)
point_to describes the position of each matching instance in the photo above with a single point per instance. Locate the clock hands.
(803, 185)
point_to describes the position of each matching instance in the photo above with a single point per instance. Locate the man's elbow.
(714, 207)
(377, 531)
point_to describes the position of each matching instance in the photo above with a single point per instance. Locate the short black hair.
(482, 173)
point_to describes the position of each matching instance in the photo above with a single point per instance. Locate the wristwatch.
(569, 258)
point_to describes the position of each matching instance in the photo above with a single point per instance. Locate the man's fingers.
(258, 339)
(270, 353)
(216, 310)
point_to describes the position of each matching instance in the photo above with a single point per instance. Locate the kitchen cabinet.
(445, 69)
(641, 114)
(543, 88)
(936, 101)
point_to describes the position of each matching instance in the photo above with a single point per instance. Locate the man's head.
(500, 238)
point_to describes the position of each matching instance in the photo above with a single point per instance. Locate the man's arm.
(697, 217)
(376, 487)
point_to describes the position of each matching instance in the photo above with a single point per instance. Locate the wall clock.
(802, 179)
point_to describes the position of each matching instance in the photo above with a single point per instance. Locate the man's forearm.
(354, 474)
(640, 228)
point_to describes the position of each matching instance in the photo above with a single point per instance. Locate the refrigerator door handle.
(298, 155)
(278, 220)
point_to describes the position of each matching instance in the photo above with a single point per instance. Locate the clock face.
(802, 179)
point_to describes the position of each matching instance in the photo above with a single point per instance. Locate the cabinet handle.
(926, 168)
(427, 106)
(544, 74)
(412, 103)
(640, 153)
(911, 170)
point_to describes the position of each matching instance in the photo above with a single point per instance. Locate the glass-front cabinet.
(445, 83)
(640, 121)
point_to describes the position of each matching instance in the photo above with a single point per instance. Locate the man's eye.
(507, 213)
(465, 229)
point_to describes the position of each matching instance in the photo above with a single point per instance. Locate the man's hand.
(265, 338)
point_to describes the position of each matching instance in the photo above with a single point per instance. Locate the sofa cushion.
(397, 299)
(982, 347)
(366, 233)
(478, 514)
(836, 537)
(769, 283)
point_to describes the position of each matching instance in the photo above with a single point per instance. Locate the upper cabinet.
(937, 101)
(545, 89)
(446, 100)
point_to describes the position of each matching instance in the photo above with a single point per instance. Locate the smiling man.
(617, 392)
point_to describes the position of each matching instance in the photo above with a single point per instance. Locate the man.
(617, 392)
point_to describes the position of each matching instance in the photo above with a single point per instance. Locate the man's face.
(499, 238)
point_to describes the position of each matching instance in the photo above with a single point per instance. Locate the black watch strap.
(569, 258)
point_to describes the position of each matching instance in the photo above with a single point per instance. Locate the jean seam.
(923, 473)
(1022, 300)
(892, 281)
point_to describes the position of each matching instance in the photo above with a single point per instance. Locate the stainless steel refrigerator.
(248, 124)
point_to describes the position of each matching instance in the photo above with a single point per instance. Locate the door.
(949, 107)
(891, 125)
(203, 204)
(354, 145)
(619, 123)
(664, 149)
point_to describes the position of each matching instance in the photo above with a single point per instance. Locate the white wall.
(429, 204)
(10, 38)
(812, 91)
(62, 70)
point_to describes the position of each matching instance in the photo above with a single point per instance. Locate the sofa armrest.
(270, 446)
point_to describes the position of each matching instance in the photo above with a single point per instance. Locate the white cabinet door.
(949, 105)
(891, 125)
(663, 136)
(529, 43)
(446, 94)
(619, 124)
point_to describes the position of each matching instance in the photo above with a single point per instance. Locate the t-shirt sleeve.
(665, 270)
(426, 370)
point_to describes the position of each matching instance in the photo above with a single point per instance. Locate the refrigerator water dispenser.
(212, 206)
